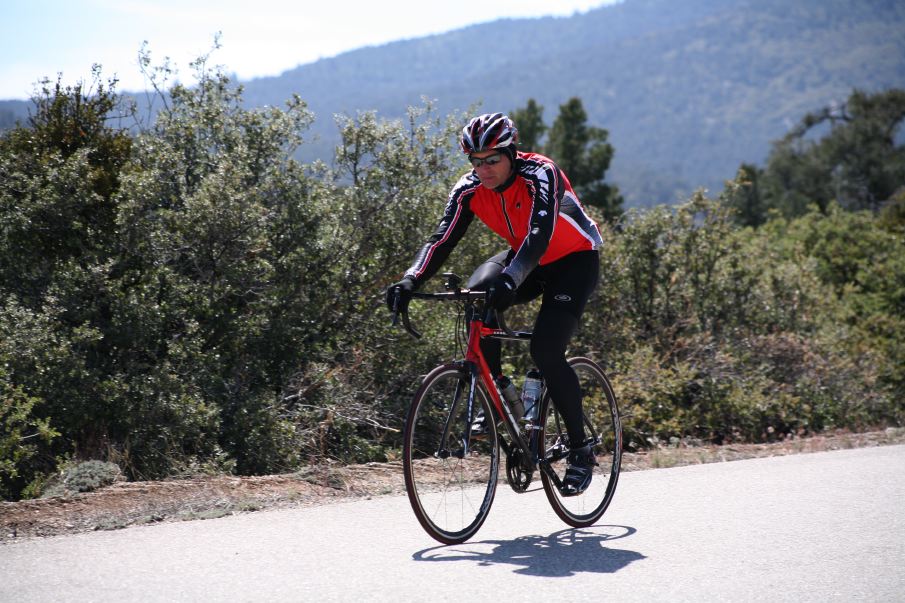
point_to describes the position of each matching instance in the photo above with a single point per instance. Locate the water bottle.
(510, 394)
(531, 394)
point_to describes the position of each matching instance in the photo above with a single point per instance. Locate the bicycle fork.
(443, 452)
(470, 413)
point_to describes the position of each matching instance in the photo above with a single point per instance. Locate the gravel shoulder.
(205, 497)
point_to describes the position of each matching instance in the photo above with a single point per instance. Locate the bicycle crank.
(518, 477)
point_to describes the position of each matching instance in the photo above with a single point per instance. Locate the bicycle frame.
(529, 456)
(474, 358)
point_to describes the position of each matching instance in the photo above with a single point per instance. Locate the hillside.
(687, 89)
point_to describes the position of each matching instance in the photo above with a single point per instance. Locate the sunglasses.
(494, 159)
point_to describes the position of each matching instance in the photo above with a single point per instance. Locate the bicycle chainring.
(518, 477)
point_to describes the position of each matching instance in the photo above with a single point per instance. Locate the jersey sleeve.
(547, 187)
(455, 221)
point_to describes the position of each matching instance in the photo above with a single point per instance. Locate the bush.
(191, 299)
(86, 476)
(23, 438)
(720, 333)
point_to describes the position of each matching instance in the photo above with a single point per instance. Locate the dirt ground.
(136, 503)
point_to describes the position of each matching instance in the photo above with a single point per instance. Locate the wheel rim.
(451, 493)
(602, 422)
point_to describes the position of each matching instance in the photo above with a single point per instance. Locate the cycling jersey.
(535, 210)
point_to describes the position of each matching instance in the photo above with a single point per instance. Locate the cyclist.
(528, 200)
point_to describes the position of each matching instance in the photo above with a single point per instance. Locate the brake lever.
(403, 312)
(394, 316)
(494, 316)
(408, 325)
(501, 322)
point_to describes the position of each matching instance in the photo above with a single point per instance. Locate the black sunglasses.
(494, 159)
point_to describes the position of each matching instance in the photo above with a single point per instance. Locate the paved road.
(813, 527)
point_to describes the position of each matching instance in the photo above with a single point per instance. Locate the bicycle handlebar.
(467, 295)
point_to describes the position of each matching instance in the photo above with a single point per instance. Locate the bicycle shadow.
(559, 555)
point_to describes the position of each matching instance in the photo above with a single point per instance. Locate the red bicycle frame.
(530, 457)
(473, 354)
(474, 358)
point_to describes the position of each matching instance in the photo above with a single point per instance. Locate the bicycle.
(451, 474)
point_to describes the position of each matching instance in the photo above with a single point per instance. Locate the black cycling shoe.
(579, 471)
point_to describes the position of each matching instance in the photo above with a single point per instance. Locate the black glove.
(501, 292)
(399, 294)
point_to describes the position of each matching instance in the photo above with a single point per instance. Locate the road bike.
(451, 469)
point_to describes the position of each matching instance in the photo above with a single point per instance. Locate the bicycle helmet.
(490, 131)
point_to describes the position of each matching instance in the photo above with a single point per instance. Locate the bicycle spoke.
(601, 423)
(451, 496)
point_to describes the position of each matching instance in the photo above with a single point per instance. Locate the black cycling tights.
(565, 285)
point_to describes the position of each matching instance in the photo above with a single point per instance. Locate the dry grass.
(128, 504)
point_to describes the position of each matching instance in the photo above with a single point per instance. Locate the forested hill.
(688, 89)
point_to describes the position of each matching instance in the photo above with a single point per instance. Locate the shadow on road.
(560, 554)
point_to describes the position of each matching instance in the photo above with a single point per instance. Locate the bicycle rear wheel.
(603, 424)
(450, 489)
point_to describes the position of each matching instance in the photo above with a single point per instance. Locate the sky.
(41, 38)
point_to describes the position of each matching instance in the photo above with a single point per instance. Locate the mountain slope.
(688, 89)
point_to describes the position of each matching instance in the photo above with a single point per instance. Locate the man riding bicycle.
(528, 200)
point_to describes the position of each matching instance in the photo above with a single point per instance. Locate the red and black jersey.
(536, 211)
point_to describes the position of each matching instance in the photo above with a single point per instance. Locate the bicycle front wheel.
(449, 485)
(601, 417)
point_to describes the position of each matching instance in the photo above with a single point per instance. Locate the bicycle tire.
(451, 496)
(603, 423)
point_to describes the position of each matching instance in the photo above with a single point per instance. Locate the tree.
(57, 180)
(856, 162)
(531, 128)
(582, 151)
(744, 195)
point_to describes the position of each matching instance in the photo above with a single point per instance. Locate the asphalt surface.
(810, 527)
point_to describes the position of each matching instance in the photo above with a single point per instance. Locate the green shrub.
(23, 438)
(191, 299)
(86, 476)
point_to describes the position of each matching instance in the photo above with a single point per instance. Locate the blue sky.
(40, 38)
